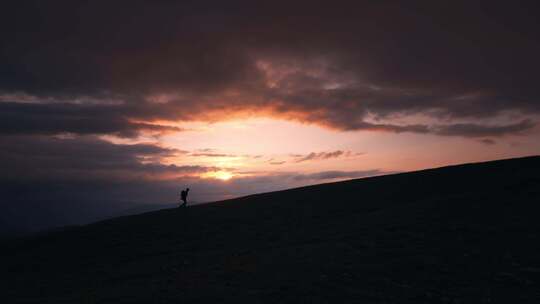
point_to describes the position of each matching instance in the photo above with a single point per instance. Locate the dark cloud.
(48, 181)
(476, 130)
(322, 155)
(38, 158)
(329, 64)
(48, 119)
(298, 158)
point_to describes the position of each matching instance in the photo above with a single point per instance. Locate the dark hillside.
(460, 234)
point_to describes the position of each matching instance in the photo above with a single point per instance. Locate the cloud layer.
(333, 65)
(72, 72)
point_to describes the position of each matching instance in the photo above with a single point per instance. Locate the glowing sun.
(222, 175)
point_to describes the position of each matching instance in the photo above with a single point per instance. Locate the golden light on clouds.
(221, 175)
(256, 146)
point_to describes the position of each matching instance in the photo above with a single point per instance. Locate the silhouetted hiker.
(183, 196)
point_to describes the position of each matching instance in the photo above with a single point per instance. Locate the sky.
(109, 105)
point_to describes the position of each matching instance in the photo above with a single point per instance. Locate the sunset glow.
(129, 104)
(270, 151)
(222, 175)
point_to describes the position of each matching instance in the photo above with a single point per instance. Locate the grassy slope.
(461, 234)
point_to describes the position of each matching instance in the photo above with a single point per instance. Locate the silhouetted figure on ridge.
(183, 196)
